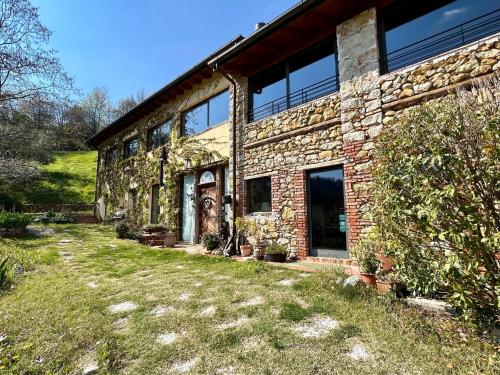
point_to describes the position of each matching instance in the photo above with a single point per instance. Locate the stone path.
(316, 326)
(122, 307)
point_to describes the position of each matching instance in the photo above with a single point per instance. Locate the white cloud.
(452, 13)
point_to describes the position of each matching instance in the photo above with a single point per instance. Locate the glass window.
(132, 199)
(259, 195)
(304, 77)
(207, 177)
(130, 147)
(210, 113)
(416, 30)
(159, 135)
(218, 109)
(111, 157)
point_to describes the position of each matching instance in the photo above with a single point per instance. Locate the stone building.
(308, 93)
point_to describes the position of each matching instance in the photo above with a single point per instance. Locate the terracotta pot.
(355, 270)
(246, 250)
(385, 260)
(279, 258)
(170, 239)
(383, 287)
(369, 279)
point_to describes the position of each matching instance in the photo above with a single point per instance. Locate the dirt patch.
(168, 338)
(235, 323)
(208, 311)
(162, 310)
(286, 282)
(359, 353)
(316, 326)
(122, 307)
(252, 302)
(184, 366)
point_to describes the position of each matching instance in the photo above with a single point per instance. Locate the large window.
(259, 194)
(159, 135)
(111, 157)
(412, 31)
(207, 114)
(302, 78)
(130, 147)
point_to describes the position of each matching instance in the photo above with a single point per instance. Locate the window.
(302, 78)
(259, 195)
(207, 114)
(207, 177)
(132, 199)
(155, 204)
(412, 31)
(159, 135)
(130, 147)
(111, 157)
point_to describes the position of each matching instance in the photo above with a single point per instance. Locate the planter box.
(170, 239)
(245, 250)
(279, 258)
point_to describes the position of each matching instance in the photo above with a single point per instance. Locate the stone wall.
(141, 172)
(341, 129)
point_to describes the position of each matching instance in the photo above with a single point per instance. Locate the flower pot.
(383, 287)
(279, 258)
(385, 260)
(246, 250)
(170, 239)
(369, 279)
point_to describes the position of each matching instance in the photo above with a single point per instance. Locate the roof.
(172, 89)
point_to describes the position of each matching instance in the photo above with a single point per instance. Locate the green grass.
(55, 323)
(70, 178)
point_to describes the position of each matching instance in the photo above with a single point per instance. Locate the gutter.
(232, 240)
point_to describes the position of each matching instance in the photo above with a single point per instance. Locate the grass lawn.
(70, 178)
(88, 297)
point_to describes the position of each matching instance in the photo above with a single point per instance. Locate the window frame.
(253, 180)
(126, 155)
(398, 7)
(109, 151)
(150, 130)
(285, 63)
(198, 105)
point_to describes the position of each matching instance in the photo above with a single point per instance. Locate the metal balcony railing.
(460, 35)
(296, 98)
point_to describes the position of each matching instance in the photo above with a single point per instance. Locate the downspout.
(96, 180)
(233, 199)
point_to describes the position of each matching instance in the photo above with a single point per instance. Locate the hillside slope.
(70, 178)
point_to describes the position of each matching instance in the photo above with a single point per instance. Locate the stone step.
(324, 260)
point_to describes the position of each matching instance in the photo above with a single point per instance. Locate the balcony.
(457, 36)
(314, 91)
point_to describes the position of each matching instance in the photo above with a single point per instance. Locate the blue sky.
(129, 45)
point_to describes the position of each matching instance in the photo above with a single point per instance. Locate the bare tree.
(127, 104)
(97, 107)
(27, 68)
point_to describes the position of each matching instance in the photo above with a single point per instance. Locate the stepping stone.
(359, 353)
(90, 369)
(198, 284)
(184, 297)
(226, 371)
(162, 310)
(236, 323)
(180, 267)
(304, 274)
(286, 282)
(121, 324)
(351, 281)
(184, 366)
(64, 241)
(210, 310)
(252, 302)
(317, 326)
(169, 338)
(92, 285)
(122, 307)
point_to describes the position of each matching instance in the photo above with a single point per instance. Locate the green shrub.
(211, 241)
(3, 272)
(436, 195)
(122, 230)
(14, 220)
(364, 252)
(276, 249)
(9, 200)
(64, 217)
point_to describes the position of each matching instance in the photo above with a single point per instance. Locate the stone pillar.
(361, 112)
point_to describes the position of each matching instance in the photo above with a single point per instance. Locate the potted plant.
(245, 227)
(383, 281)
(367, 261)
(374, 238)
(276, 253)
(210, 241)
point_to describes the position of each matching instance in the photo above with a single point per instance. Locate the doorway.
(188, 209)
(327, 217)
(208, 203)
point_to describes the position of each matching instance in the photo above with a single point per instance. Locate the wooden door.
(207, 203)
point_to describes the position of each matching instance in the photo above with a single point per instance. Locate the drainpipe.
(233, 200)
(96, 179)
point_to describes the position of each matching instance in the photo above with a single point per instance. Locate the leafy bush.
(8, 199)
(122, 230)
(126, 231)
(14, 220)
(275, 249)
(64, 217)
(436, 199)
(364, 252)
(211, 241)
(3, 272)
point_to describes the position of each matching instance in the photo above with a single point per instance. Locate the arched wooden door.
(207, 203)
